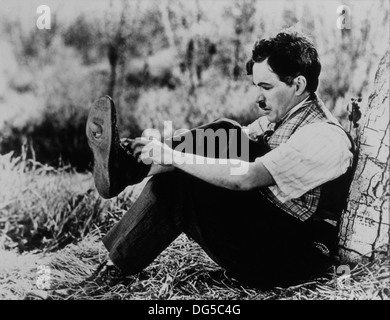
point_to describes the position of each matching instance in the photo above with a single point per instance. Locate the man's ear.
(300, 85)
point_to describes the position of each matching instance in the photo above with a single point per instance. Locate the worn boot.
(114, 168)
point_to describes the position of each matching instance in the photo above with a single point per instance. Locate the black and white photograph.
(194, 156)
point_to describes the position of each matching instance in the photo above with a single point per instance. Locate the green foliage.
(82, 35)
(46, 208)
(188, 69)
(166, 61)
(55, 107)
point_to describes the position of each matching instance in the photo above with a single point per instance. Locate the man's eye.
(267, 88)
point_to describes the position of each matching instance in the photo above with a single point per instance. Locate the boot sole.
(102, 113)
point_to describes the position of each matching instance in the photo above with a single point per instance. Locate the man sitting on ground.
(266, 225)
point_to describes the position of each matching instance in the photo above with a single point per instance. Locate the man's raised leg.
(113, 168)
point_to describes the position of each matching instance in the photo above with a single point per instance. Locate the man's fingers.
(141, 153)
(147, 151)
(139, 142)
(136, 152)
(144, 155)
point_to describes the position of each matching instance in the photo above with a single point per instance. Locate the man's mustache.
(262, 104)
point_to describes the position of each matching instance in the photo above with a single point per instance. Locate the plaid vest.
(326, 203)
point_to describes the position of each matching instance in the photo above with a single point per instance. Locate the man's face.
(276, 98)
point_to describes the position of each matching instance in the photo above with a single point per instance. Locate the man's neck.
(300, 103)
(303, 97)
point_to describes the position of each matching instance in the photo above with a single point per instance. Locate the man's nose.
(261, 95)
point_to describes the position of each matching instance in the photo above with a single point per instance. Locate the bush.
(46, 208)
(187, 80)
(54, 112)
(148, 108)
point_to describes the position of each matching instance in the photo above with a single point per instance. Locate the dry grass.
(46, 208)
(181, 272)
(35, 198)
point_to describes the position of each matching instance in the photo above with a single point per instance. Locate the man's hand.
(152, 151)
(253, 174)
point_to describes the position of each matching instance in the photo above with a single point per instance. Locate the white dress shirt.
(313, 155)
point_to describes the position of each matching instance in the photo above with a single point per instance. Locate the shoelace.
(124, 143)
(323, 248)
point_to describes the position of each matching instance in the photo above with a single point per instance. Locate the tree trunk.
(113, 59)
(364, 226)
(163, 7)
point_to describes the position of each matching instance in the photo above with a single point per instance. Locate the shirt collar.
(273, 126)
(295, 108)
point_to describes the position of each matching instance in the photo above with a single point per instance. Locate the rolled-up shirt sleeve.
(257, 127)
(314, 155)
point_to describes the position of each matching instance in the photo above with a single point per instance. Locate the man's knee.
(227, 123)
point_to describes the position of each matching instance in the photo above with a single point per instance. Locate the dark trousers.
(243, 232)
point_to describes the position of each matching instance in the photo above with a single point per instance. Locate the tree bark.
(163, 7)
(113, 60)
(364, 226)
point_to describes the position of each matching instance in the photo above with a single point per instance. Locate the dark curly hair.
(289, 54)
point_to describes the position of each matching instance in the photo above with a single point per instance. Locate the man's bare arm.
(254, 174)
(233, 174)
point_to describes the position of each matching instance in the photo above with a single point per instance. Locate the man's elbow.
(238, 183)
(255, 178)
(245, 183)
(248, 185)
